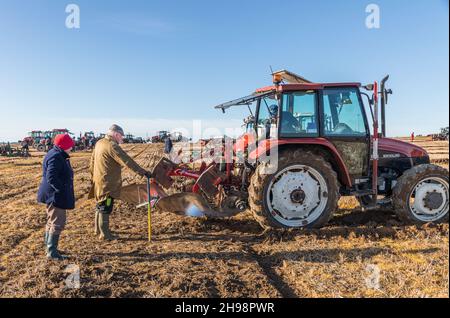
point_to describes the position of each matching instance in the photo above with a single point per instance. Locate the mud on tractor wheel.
(303, 193)
(421, 195)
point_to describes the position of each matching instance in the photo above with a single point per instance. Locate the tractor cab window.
(343, 114)
(299, 115)
(267, 117)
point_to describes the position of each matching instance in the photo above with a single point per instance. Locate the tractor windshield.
(299, 114)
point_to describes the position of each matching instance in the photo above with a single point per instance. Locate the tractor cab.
(301, 112)
(89, 135)
(161, 136)
(36, 134)
(56, 132)
(332, 118)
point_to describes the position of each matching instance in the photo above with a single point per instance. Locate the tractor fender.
(269, 144)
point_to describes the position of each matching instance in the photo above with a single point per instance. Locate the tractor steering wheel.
(289, 122)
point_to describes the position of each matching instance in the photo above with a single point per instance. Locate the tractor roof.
(281, 88)
(288, 81)
(304, 86)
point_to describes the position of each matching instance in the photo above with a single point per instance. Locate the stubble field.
(359, 254)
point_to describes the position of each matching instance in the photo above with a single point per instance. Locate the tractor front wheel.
(421, 195)
(302, 193)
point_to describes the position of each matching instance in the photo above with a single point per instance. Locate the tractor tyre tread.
(405, 185)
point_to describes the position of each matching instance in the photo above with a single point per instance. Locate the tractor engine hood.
(404, 148)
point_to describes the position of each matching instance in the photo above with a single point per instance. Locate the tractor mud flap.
(191, 204)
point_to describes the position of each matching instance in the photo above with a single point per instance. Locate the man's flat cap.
(117, 128)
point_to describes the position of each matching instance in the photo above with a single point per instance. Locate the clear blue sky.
(150, 65)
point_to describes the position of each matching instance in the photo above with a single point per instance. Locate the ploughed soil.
(359, 254)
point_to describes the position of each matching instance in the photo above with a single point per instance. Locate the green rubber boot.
(97, 223)
(105, 233)
(52, 248)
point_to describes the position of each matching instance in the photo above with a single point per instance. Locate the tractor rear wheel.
(421, 195)
(40, 148)
(302, 193)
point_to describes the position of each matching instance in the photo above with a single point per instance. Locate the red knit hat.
(65, 142)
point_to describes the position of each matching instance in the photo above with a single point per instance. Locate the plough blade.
(186, 204)
(191, 204)
(136, 194)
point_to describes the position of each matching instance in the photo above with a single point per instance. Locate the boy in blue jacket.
(57, 192)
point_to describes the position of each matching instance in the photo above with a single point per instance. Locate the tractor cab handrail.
(243, 101)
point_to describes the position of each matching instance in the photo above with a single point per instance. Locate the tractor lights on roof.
(368, 87)
(277, 79)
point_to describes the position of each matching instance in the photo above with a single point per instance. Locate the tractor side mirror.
(387, 92)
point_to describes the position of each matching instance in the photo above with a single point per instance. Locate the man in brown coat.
(107, 161)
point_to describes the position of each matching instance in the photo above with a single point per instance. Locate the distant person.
(168, 145)
(412, 137)
(25, 148)
(8, 149)
(91, 143)
(57, 192)
(107, 161)
(49, 144)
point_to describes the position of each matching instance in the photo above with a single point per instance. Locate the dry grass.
(204, 258)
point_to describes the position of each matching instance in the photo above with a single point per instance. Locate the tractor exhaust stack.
(384, 100)
(375, 144)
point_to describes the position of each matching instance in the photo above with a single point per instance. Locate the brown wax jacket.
(107, 161)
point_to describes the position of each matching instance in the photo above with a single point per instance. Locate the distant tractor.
(44, 140)
(176, 136)
(86, 141)
(7, 150)
(34, 138)
(56, 132)
(89, 135)
(128, 139)
(442, 136)
(160, 137)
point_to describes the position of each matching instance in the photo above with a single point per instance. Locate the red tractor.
(34, 138)
(160, 137)
(306, 145)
